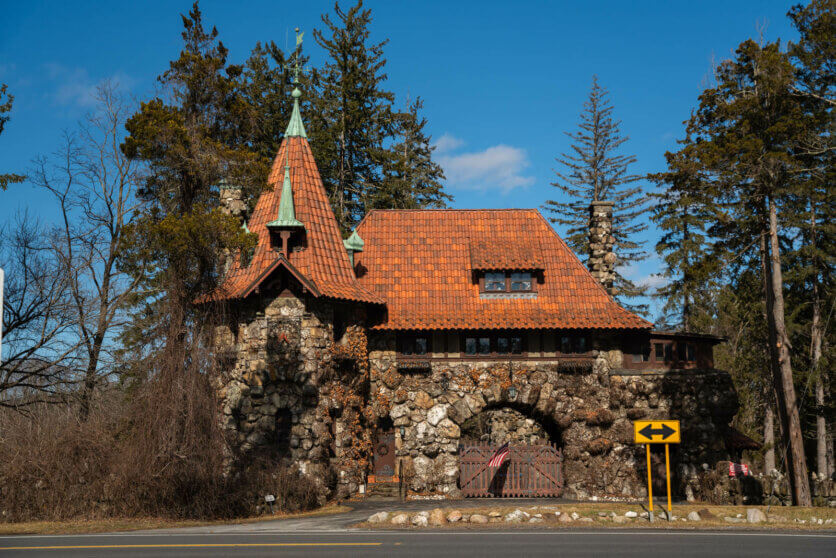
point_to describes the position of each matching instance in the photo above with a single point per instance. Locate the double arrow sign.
(656, 431)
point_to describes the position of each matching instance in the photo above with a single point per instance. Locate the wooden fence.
(531, 470)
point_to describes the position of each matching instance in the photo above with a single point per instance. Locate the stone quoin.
(377, 357)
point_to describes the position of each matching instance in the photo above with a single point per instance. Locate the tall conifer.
(411, 178)
(595, 171)
(354, 116)
(745, 133)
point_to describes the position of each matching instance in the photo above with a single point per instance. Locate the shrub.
(156, 450)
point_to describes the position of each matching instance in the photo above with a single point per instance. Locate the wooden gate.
(531, 470)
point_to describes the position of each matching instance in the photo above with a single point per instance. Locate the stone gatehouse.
(375, 357)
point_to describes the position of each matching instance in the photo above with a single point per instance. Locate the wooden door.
(383, 458)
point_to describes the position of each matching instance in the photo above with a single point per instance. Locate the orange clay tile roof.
(324, 262)
(419, 262)
(506, 254)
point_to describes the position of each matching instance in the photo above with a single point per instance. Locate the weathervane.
(299, 35)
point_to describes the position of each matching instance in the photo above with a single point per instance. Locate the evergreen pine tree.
(5, 108)
(811, 270)
(745, 133)
(596, 172)
(354, 116)
(411, 178)
(682, 216)
(189, 143)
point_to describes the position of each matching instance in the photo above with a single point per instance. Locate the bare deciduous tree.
(39, 347)
(94, 185)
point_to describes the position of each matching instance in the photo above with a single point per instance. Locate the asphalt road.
(436, 544)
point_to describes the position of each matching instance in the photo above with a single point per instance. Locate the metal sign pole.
(668, 476)
(649, 484)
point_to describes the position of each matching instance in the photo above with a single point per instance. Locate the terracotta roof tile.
(324, 262)
(421, 263)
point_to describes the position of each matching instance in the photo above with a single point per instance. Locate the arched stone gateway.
(589, 412)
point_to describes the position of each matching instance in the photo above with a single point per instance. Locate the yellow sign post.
(657, 432)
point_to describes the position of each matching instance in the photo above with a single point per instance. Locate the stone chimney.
(232, 202)
(601, 262)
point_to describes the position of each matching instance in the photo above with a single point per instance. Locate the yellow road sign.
(656, 431)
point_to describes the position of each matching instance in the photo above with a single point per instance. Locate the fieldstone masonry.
(587, 411)
(278, 361)
(601, 262)
(275, 363)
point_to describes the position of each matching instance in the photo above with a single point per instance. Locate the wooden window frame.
(493, 337)
(404, 338)
(674, 354)
(535, 278)
(574, 345)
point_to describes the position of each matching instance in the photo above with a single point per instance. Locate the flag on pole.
(500, 455)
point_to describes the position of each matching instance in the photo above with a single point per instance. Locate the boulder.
(448, 429)
(454, 516)
(478, 518)
(437, 517)
(631, 514)
(378, 517)
(494, 514)
(419, 520)
(694, 516)
(754, 515)
(564, 518)
(536, 520)
(423, 400)
(619, 519)
(437, 414)
(734, 519)
(515, 516)
(575, 516)
(400, 519)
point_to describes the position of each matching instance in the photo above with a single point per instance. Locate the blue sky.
(501, 81)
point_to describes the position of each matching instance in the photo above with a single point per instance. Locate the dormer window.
(521, 281)
(507, 282)
(495, 281)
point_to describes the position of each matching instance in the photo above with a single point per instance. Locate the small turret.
(353, 244)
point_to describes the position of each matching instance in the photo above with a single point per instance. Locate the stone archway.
(533, 467)
(498, 424)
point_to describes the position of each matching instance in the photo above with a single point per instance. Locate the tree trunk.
(775, 317)
(769, 438)
(816, 335)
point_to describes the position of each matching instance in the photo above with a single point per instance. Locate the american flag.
(738, 469)
(500, 455)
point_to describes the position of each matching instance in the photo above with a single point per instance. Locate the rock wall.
(506, 424)
(288, 390)
(588, 410)
(277, 356)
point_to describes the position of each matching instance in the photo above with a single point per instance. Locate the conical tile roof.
(323, 261)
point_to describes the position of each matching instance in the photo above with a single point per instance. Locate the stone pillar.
(232, 202)
(601, 262)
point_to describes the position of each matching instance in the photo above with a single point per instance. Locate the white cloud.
(75, 86)
(447, 143)
(653, 281)
(497, 167)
